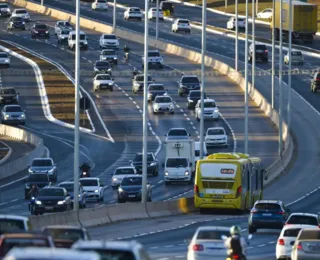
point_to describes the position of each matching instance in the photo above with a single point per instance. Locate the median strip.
(59, 89)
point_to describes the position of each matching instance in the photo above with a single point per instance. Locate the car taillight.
(197, 247)
(281, 242)
(281, 212)
(239, 191)
(253, 211)
(236, 256)
(266, 51)
(299, 247)
(318, 79)
(196, 189)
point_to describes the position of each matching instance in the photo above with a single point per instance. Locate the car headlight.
(115, 58)
(85, 42)
(38, 202)
(109, 69)
(61, 202)
(120, 190)
(6, 116)
(225, 138)
(191, 101)
(22, 116)
(216, 110)
(35, 31)
(27, 186)
(153, 164)
(6, 60)
(47, 32)
(96, 191)
(30, 171)
(171, 105)
(23, 23)
(96, 69)
(114, 179)
(186, 173)
(51, 170)
(166, 173)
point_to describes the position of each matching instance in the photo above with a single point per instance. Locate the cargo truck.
(304, 21)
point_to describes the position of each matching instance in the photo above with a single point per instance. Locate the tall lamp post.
(273, 53)
(290, 66)
(254, 46)
(114, 24)
(237, 38)
(280, 85)
(247, 83)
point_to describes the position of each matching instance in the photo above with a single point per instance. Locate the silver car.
(296, 58)
(207, 243)
(307, 245)
(109, 55)
(120, 173)
(63, 35)
(69, 186)
(4, 59)
(13, 114)
(44, 165)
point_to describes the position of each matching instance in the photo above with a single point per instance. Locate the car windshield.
(261, 47)
(156, 87)
(38, 177)
(241, 19)
(309, 235)
(292, 232)
(102, 64)
(13, 109)
(108, 53)
(141, 78)
(178, 132)
(68, 186)
(191, 80)
(41, 163)
(183, 21)
(268, 206)
(153, 54)
(8, 90)
(68, 234)
(82, 37)
(67, 24)
(213, 234)
(177, 162)
(209, 104)
(166, 5)
(138, 158)
(85, 182)
(103, 77)
(124, 171)
(11, 242)
(40, 26)
(52, 192)
(21, 11)
(112, 254)
(11, 225)
(65, 32)
(163, 100)
(101, 1)
(135, 10)
(303, 220)
(131, 181)
(296, 53)
(4, 6)
(17, 19)
(215, 132)
(109, 37)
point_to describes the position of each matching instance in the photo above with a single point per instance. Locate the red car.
(40, 30)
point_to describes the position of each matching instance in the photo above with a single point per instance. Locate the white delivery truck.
(179, 149)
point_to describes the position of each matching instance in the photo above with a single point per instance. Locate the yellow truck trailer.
(304, 20)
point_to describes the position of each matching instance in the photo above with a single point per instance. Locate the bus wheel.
(202, 211)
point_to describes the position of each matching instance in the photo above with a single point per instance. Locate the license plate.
(266, 214)
(49, 208)
(132, 196)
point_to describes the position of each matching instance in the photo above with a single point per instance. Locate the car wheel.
(111, 89)
(149, 199)
(198, 119)
(156, 172)
(121, 201)
(252, 230)
(26, 196)
(172, 112)
(167, 183)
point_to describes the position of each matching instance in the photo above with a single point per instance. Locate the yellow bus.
(228, 181)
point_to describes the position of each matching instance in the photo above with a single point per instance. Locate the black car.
(261, 53)
(315, 82)
(102, 67)
(193, 97)
(40, 30)
(130, 189)
(16, 23)
(167, 6)
(52, 199)
(188, 83)
(8, 95)
(153, 166)
(39, 179)
(155, 90)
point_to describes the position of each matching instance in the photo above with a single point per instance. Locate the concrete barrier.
(127, 211)
(20, 164)
(94, 216)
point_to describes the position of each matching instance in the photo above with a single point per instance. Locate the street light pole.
(114, 24)
(257, 7)
(77, 112)
(203, 53)
(254, 46)
(290, 66)
(157, 21)
(273, 53)
(237, 38)
(145, 107)
(41, 2)
(247, 83)
(280, 85)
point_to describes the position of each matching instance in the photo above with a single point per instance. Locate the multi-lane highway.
(121, 112)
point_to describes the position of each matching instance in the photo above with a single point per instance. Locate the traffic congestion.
(224, 180)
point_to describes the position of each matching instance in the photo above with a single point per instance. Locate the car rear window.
(291, 232)
(309, 234)
(177, 132)
(183, 21)
(10, 243)
(21, 11)
(303, 220)
(40, 26)
(192, 80)
(68, 234)
(261, 47)
(11, 225)
(268, 206)
(124, 171)
(13, 109)
(296, 53)
(156, 87)
(213, 234)
(153, 54)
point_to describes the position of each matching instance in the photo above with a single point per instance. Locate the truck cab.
(177, 169)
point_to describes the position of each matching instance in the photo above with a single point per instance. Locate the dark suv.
(102, 67)
(16, 23)
(193, 97)
(39, 179)
(40, 30)
(267, 214)
(315, 82)
(261, 53)
(153, 165)
(188, 83)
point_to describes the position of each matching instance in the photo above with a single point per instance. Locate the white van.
(72, 40)
(197, 151)
(177, 169)
(13, 223)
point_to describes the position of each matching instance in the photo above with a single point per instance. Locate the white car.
(286, 240)
(99, 5)
(211, 110)
(4, 59)
(13, 114)
(4, 10)
(303, 219)
(231, 24)
(133, 13)
(152, 14)
(265, 14)
(177, 170)
(181, 25)
(120, 173)
(93, 188)
(163, 104)
(154, 59)
(109, 41)
(21, 13)
(207, 243)
(216, 136)
(103, 81)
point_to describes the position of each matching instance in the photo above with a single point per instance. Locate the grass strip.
(60, 90)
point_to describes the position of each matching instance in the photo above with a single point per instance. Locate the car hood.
(131, 188)
(209, 109)
(119, 177)
(90, 188)
(41, 169)
(7, 95)
(104, 81)
(102, 67)
(110, 41)
(190, 86)
(163, 104)
(41, 30)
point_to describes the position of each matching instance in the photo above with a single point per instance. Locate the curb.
(4, 159)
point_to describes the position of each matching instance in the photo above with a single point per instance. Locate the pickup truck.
(8, 96)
